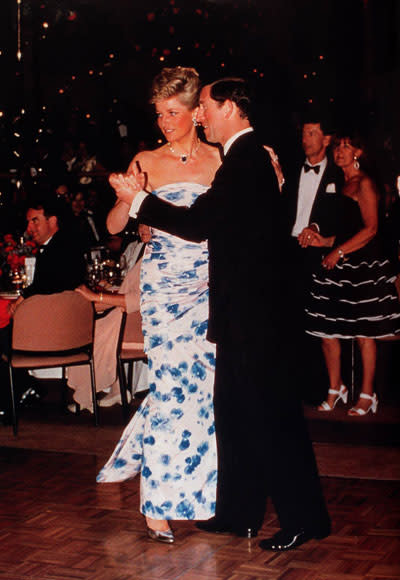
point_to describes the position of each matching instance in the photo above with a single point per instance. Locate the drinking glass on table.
(94, 273)
(18, 277)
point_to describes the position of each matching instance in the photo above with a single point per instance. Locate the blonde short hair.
(181, 82)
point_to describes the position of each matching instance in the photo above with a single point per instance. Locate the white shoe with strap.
(358, 412)
(341, 394)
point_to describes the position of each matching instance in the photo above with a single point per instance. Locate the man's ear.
(229, 108)
(327, 140)
(53, 221)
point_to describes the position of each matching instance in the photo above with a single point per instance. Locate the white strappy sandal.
(341, 394)
(358, 412)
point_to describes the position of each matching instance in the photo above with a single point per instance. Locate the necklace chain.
(184, 157)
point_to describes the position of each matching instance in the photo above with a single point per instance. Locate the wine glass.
(121, 266)
(94, 273)
(18, 278)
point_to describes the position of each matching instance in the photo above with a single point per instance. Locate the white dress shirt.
(30, 264)
(308, 187)
(232, 139)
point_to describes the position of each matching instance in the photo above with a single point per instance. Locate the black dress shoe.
(283, 541)
(33, 394)
(30, 398)
(214, 526)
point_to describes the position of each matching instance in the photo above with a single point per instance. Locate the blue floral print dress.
(171, 438)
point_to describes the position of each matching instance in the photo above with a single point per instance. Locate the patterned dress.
(171, 438)
(358, 296)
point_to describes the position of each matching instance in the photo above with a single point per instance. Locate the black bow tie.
(315, 168)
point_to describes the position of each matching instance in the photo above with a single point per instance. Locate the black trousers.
(312, 376)
(264, 450)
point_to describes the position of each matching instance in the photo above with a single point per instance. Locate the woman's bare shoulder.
(367, 185)
(146, 159)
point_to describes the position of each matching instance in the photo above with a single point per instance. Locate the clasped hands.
(311, 237)
(127, 185)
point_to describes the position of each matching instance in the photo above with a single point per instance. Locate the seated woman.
(353, 293)
(106, 338)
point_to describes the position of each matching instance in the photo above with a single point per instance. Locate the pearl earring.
(356, 164)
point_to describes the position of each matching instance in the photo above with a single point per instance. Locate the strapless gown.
(171, 438)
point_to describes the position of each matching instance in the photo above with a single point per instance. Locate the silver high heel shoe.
(166, 537)
(358, 412)
(341, 394)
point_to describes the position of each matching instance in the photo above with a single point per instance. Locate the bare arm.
(118, 217)
(14, 305)
(102, 298)
(276, 165)
(368, 202)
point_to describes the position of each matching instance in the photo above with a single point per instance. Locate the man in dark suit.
(263, 447)
(311, 197)
(59, 266)
(60, 262)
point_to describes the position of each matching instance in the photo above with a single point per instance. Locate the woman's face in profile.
(174, 118)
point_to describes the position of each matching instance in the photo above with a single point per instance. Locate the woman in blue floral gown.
(171, 440)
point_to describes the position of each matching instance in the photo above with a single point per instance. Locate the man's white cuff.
(137, 202)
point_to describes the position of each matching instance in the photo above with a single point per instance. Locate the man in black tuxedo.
(263, 447)
(311, 196)
(59, 266)
(60, 262)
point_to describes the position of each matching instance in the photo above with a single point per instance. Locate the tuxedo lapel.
(320, 191)
(326, 178)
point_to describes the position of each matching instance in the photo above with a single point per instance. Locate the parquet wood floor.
(56, 523)
(366, 447)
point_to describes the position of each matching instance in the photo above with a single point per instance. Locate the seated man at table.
(60, 263)
(59, 266)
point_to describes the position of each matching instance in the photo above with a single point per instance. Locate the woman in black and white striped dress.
(353, 293)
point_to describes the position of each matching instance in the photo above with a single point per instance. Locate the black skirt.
(357, 298)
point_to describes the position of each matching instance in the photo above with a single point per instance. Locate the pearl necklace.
(184, 157)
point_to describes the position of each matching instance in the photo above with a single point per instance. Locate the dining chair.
(129, 350)
(52, 330)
